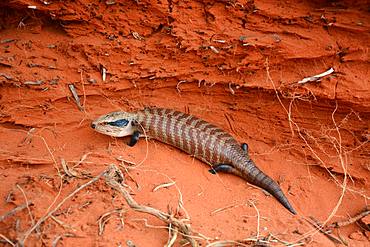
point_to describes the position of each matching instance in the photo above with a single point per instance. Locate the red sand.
(218, 60)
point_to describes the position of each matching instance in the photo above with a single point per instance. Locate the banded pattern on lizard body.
(188, 133)
(194, 136)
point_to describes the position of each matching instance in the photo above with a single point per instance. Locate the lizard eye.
(119, 123)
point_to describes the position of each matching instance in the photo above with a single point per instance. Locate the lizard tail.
(255, 176)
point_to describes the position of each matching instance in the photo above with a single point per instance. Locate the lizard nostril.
(93, 125)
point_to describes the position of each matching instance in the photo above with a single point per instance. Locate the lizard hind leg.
(224, 168)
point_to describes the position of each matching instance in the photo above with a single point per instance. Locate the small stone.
(91, 80)
(110, 2)
(130, 243)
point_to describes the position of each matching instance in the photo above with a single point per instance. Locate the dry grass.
(336, 142)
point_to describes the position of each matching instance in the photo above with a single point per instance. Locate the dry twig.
(7, 240)
(59, 237)
(316, 77)
(44, 218)
(258, 218)
(103, 219)
(351, 220)
(114, 178)
(172, 236)
(226, 208)
(75, 96)
(165, 185)
(67, 170)
(28, 208)
(321, 229)
(15, 210)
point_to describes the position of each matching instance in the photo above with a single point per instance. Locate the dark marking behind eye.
(119, 123)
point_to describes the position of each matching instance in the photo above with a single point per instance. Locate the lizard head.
(117, 124)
